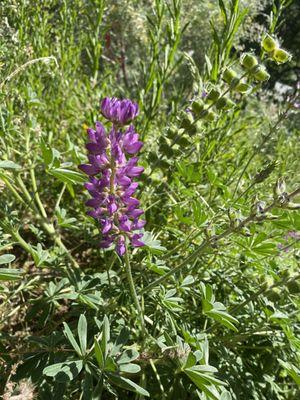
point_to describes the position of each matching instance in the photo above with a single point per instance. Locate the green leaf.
(70, 337)
(204, 382)
(127, 384)
(67, 175)
(130, 368)
(191, 360)
(153, 244)
(225, 395)
(99, 355)
(82, 333)
(65, 371)
(105, 336)
(7, 258)
(110, 365)
(127, 356)
(6, 164)
(293, 371)
(8, 274)
(47, 153)
(223, 318)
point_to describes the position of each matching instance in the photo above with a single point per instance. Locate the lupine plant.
(149, 190)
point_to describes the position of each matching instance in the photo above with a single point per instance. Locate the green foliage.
(218, 278)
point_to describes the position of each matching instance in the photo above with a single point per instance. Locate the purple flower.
(111, 171)
(120, 112)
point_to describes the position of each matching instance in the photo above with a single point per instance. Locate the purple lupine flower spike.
(111, 171)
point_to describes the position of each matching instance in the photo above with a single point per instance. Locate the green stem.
(36, 194)
(133, 291)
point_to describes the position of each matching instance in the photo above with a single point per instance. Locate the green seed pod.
(281, 56)
(213, 95)
(197, 106)
(172, 132)
(221, 103)
(274, 294)
(268, 43)
(228, 75)
(187, 120)
(210, 116)
(293, 287)
(262, 75)
(242, 87)
(248, 61)
(234, 83)
(191, 130)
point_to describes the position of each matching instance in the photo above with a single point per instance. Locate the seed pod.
(197, 106)
(191, 130)
(186, 121)
(242, 87)
(221, 103)
(210, 116)
(274, 294)
(293, 287)
(268, 43)
(213, 95)
(262, 75)
(248, 61)
(281, 56)
(228, 75)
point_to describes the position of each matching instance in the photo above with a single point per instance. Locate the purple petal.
(135, 240)
(120, 247)
(89, 169)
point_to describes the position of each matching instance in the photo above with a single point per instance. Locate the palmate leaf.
(203, 384)
(293, 371)
(65, 371)
(127, 384)
(8, 274)
(7, 258)
(223, 318)
(69, 335)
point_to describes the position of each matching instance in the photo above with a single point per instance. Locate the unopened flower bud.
(262, 75)
(281, 56)
(268, 43)
(213, 95)
(228, 75)
(248, 61)
(242, 87)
